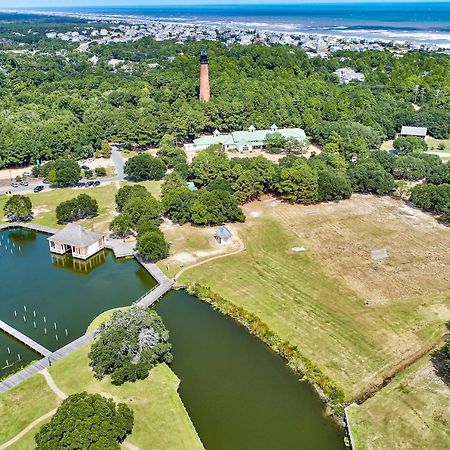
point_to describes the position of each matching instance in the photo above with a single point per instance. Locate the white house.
(78, 241)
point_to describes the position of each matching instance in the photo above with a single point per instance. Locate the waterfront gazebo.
(78, 241)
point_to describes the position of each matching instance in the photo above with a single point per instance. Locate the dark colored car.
(85, 168)
(81, 184)
(38, 188)
(96, 183)
(90, 183)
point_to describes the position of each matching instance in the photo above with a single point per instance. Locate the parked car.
(15, 184)
(96, 183)
(26, 174)
(45, 181)
(81, 184)
(85, 168)
(24, 183)
(89, 184)
(38, 188)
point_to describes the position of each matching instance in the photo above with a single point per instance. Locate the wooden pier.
(24, 339)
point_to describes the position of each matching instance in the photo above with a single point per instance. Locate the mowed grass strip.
(160, 420)
(304, 303)
(411, 412)
(24, 404)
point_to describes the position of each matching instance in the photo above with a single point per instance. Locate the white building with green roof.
(244, 141)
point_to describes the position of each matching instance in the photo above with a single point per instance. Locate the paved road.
(120, 175)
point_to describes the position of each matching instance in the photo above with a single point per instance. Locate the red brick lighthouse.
(204, 77)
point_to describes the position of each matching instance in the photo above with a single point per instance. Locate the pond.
(51, 298)
(239, 394)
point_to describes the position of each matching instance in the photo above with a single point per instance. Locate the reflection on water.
(67, 261)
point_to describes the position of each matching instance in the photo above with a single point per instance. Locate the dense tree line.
(140, 213)
(54, 106)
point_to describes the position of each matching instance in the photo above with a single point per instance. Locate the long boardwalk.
(24, 339)
(44, 363)
(28, 226)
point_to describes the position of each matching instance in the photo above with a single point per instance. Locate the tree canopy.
(86, 421)
(18, 208)
(129, 345)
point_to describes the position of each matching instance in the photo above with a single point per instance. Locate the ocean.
(419, 21)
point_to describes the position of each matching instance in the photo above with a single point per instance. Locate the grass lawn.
(24, 404)
(433, 144)
(190, 245)
(314, 298)
(45, 203)
(411, 412)
(160, 420)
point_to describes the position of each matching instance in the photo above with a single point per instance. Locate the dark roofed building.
(78, 241)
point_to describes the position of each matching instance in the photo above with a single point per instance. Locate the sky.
(62, 3)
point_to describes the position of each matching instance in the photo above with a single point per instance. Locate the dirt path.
(52, 385)
(27, 429)
(235, 252)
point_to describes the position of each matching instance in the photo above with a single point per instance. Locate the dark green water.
(240, 396)
(38, 289)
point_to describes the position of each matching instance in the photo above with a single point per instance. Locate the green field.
(304, 302)
(433, 144)
(24, 404)
(411, 412)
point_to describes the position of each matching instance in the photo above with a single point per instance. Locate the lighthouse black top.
(203, 56)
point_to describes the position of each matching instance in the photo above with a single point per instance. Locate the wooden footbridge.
(24, 339)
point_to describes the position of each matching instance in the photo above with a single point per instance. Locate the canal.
(239, 394)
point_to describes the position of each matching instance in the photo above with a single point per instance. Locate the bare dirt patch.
(345, 234)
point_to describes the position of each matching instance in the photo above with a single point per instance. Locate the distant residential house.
(244, 141)
(223, 235)
(346, 74)
(414, 131)
(78, 241)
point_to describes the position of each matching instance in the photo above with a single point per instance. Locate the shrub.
(100, 171)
